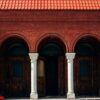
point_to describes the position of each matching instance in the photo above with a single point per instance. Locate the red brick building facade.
(41, 42)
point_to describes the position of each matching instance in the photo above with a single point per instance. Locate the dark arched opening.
(87, 69)
(51, 68)
(14, 68)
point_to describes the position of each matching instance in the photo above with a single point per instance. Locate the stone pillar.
(70, 57)
(33, 58)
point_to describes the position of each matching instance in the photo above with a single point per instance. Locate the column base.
(33, 96)
(71, 95)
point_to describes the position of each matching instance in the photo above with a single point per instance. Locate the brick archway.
(15, 76)
(87, 66)
(51, 53)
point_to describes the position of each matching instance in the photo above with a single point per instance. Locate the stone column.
(70, 57)
(33, 58)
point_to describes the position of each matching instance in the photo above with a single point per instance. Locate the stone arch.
(51, 35)
(82, 36)
(15, 35)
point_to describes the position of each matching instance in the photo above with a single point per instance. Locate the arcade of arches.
(51, 72)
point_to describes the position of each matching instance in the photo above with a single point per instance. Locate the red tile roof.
(51, 4)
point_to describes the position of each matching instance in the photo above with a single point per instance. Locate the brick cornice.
(49, 15)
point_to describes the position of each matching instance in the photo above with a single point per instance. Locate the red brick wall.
(33, 26)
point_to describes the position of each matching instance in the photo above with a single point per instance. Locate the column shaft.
(70, 57)
(33, 58)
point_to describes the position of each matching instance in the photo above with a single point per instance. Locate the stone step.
(59, 99)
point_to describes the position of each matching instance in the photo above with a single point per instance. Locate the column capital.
(33, 56)
(70, 55)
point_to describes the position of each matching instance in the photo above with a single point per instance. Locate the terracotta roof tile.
(51, 4)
